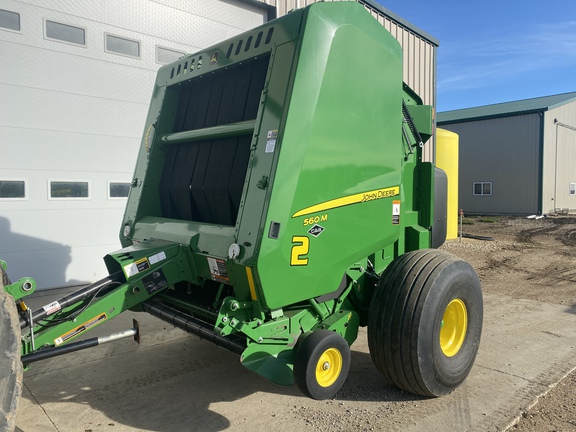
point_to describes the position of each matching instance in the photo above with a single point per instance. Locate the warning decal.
(160, 256)
(395, 212)
(52, 308)
(218, 270)
(271, 137)
(136, 267)
(80, 329)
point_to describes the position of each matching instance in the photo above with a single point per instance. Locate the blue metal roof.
(506, 109)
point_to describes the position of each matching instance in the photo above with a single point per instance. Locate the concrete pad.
(175, 382)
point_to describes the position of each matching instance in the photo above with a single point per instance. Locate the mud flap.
(10, 365)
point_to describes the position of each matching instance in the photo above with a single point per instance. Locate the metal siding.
(419, 56)
(559, 164)
(77, 113)
(504, 151)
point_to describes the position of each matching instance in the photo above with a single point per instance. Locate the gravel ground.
(539, 256)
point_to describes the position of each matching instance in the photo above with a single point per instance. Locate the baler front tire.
(425, 322)
(321, 364)
(10, 364)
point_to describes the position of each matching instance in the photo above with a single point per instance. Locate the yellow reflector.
(251, 283)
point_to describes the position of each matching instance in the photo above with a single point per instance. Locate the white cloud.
(466, 65)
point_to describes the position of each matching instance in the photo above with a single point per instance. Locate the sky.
(497, 51)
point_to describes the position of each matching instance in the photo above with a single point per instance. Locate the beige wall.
(559, 158)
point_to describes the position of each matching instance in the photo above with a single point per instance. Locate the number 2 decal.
(300, 248)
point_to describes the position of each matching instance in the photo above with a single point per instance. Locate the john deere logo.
(214, 58)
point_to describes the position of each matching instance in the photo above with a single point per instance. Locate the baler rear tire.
(418, 294)
(321, 364)
(10, 364)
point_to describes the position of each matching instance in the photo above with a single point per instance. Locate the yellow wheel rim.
(453, 328)
(329, 367)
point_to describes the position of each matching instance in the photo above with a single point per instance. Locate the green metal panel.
(340, 146)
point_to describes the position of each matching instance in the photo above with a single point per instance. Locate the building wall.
(506, 153)
(76, 113)
(419, 54)
(559, 159)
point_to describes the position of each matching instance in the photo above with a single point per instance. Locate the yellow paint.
(299, 251)
(329, 367)
(447, 160)
(350, 199)
(454, 326)
(251, 284)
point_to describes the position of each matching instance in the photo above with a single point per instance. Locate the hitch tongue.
(77, 346)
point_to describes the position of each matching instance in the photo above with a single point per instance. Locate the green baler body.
(277, 178)
(326, 149)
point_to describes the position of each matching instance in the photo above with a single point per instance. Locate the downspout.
(555, 164)
(540, 203)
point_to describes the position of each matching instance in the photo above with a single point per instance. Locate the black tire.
(10, 365)
(321, 364)
(406, 317)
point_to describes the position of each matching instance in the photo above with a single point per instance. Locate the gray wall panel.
(504, 151)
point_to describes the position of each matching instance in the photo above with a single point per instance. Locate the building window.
(118, 190)
(68, 189)
(65, 33)
(122, 46)
(482, 188)
(12, 189)
(9, 20)
(165, 55)
(572, 188)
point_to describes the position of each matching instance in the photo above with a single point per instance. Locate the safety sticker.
(160, 256)
(395, 212)
(52, 308)
(271, 141)
(80, 329)
(136, 267)
(218, 270)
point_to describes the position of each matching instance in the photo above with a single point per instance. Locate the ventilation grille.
(235, 48)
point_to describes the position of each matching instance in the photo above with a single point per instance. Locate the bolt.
(326, 366)
(234, 306)
(224, 319)
(233, 322)
(260, 339)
